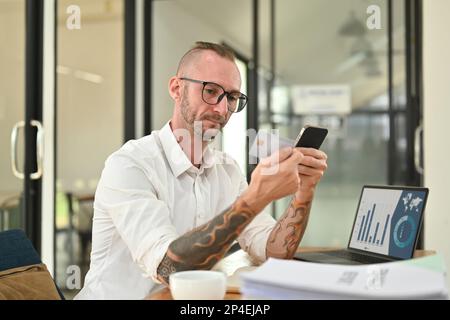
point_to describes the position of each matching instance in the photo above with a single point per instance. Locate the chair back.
(16, 250)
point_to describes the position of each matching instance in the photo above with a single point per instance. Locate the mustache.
(216, 118)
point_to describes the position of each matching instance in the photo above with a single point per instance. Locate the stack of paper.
(420, 278)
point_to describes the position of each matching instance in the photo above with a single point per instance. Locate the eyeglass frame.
(219, 99)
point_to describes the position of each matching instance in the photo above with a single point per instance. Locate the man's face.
(202, 118)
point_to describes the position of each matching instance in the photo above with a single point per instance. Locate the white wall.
(436, 50)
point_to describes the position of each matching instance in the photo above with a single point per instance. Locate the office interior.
(72, 91)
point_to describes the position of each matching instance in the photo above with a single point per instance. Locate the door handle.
(418, 149)
(14, 132)
(39, 149)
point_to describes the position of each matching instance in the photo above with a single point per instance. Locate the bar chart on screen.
(388, 221)
(372, 229)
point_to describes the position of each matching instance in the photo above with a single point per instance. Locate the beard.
(195, 123)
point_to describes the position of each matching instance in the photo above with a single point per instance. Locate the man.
(167, 202)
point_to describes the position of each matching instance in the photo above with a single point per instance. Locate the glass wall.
(12, 109)
(340, 48)
(90, 97)
(331, 70)
(176, 26)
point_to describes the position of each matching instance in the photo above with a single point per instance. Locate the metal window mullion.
(31, 213)
(130, 69)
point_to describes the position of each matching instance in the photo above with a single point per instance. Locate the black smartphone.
(311, 137)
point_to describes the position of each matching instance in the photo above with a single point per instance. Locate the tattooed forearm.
(288, 232)
(203, 247)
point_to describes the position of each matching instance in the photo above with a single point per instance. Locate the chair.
(79, 231)
(16, 251)
(10, 208)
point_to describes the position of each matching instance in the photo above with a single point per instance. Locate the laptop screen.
(388, 220)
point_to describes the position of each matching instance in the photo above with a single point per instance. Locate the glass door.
(25, 87)
(12, 113)
(89, 123)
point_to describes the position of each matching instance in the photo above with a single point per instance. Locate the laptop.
(386, 227)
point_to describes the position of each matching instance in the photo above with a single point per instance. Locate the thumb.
(278, 156)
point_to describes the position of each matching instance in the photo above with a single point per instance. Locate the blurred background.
(93, 74)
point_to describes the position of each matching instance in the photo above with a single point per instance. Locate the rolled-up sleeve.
(253, 239)
(126, 192)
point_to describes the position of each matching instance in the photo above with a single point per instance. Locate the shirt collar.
(177, 159)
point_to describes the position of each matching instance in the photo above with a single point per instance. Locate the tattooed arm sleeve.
(286, 235)
(203, 247)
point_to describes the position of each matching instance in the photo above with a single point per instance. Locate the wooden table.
(240, 259)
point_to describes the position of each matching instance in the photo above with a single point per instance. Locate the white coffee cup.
(198, 285)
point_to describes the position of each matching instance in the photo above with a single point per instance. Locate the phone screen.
(311, 137)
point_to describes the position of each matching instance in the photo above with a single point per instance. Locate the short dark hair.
(221, 50)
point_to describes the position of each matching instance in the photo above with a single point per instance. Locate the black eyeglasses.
(213, 93)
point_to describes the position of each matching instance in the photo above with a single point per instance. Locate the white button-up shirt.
(149, 194)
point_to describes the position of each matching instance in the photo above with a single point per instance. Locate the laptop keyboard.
(355, 256)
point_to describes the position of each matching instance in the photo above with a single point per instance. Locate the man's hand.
(275, 177)
(288, 232)
(311, 169)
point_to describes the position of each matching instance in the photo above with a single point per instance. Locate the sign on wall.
(321, 99)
